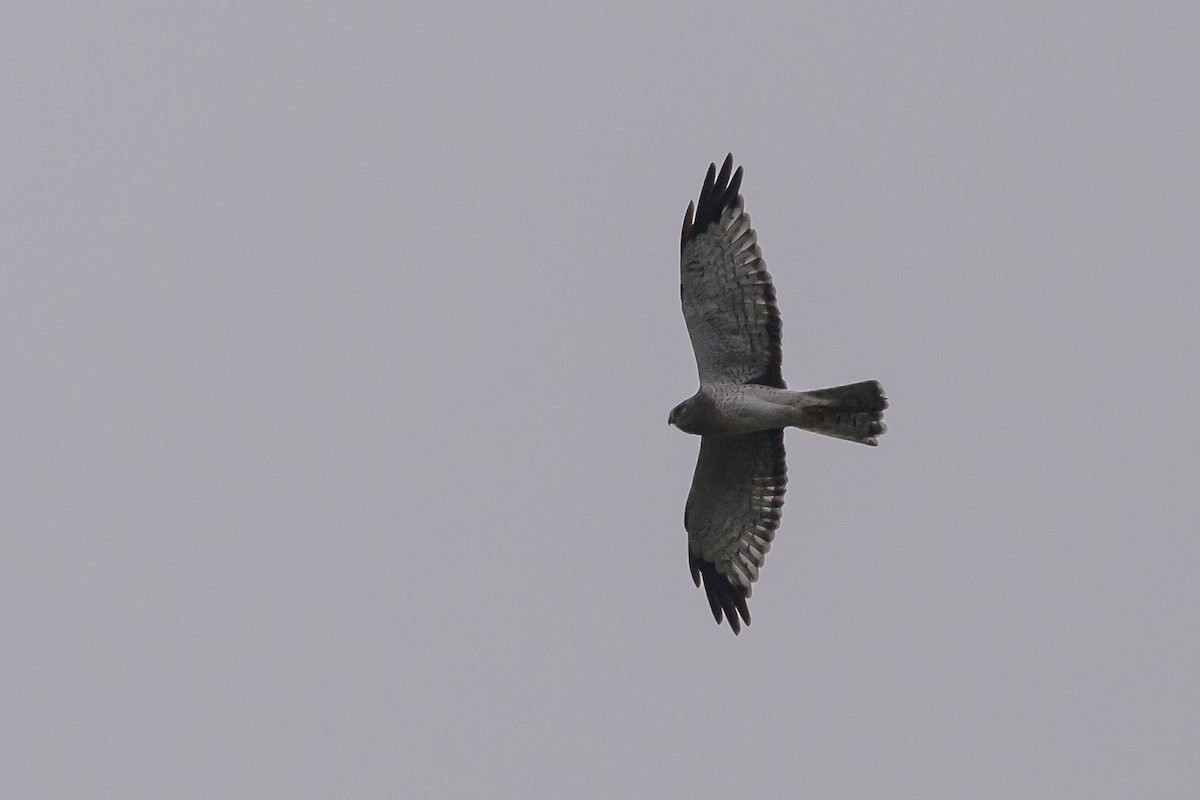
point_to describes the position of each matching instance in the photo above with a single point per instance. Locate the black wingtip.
(726, 171)
(687, 224)
(706, 188)
(719, 191)
(725, 599)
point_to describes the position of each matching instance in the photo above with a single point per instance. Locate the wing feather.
(731, 516)
(727, 295)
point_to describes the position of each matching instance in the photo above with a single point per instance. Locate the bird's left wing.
(732, 512)
(727, 295)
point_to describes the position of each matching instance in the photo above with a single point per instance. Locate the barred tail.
(853, 412)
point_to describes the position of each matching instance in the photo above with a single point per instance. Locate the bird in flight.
(743, 405)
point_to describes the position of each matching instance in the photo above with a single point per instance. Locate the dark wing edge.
(719, 192)
(723, 595)
(745, 477)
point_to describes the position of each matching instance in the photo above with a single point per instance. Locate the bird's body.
(728, 409)
(743, 404)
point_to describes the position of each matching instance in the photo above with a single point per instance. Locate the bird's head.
(675, 413)
(687, 416)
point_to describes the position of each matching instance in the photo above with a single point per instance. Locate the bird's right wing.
(727, 295)
(732, 513)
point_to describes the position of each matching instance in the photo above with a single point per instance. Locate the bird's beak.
(670, 420)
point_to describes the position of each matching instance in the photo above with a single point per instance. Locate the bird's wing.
(728, 298)
(732, 512)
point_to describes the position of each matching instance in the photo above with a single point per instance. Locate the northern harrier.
(743, 405)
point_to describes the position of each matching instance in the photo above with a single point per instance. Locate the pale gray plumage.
(743, 404)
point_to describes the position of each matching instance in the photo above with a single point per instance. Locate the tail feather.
(853, 412)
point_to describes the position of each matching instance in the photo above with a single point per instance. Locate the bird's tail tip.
(853, 412)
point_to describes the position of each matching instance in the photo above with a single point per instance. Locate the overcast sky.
(338, 344)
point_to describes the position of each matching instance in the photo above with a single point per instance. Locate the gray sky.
(338, 347)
